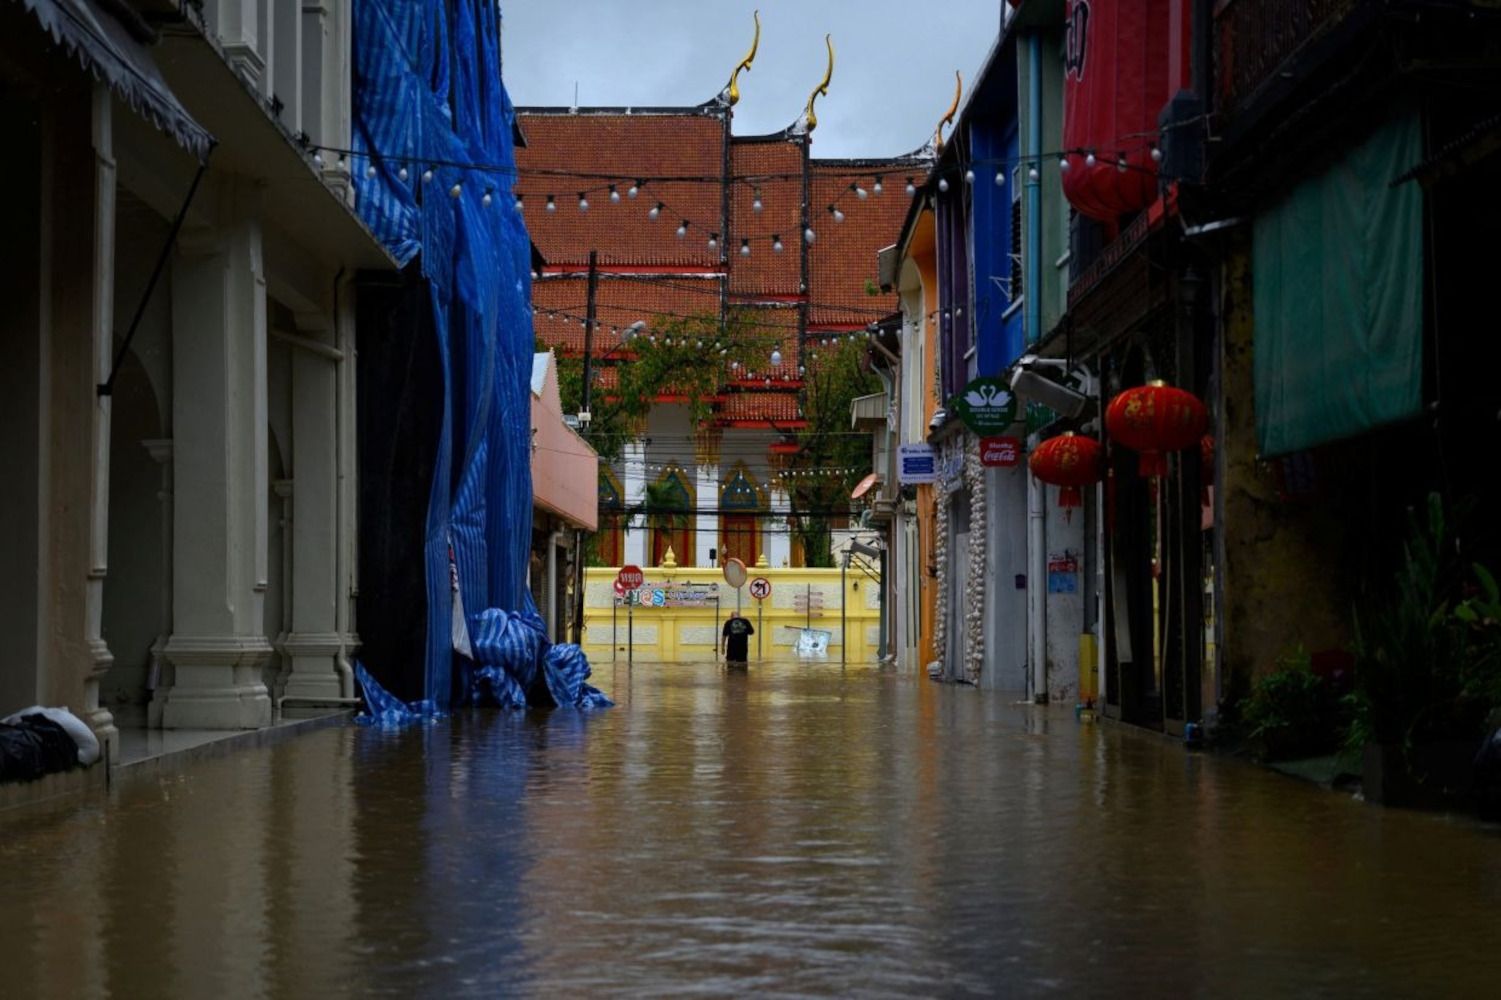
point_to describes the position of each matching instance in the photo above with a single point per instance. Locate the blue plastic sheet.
(428, 100)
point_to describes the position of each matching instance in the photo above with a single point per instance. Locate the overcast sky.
(893, 72)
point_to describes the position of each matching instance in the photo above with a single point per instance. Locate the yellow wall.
(668, 635)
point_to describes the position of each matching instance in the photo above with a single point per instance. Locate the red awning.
(865, 485)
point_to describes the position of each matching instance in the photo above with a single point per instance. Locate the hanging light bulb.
(655, 212)
(1032, 173)
(1089, 159)
(801, 370)
(1121, 163)
(860, 192)
(1063, 163)
(486, 200)
(911, 188)
(683, 229)
(318, 159)
(583, 202)
(1000, 176)
(878, 187)
(519, 206)
(455, 191)
(402, 173)
(552, 206)
(634, 190)
(745, 248)
(776, 356)
(838, 215)
(969, 176)
(1156, 154)
(776, 244)
(427, 176)
(943, 185)
(756, 205)
(713, 241)
(614, 195)
(809, 235)
(768, 383)
(343, 163)
(370, 170)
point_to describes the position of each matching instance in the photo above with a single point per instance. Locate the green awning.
(1337, 269)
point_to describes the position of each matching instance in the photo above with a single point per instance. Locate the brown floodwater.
(794, 830)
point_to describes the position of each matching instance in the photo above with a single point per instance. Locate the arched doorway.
(608, 544)
(670, 516)
(742, 504)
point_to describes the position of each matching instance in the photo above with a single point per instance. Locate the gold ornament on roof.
(745, 64)
(948, 119)
(822, 88)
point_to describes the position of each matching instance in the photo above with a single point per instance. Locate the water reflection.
(793, 830)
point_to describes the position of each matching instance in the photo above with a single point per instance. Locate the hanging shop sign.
(916, 464)
(1000, 452)
(986, 406)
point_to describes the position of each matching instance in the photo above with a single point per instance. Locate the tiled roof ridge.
(711, 108)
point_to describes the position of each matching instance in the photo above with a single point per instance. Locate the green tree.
(820, 486)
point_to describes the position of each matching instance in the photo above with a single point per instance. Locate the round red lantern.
(1153, 419)
(1070, 462)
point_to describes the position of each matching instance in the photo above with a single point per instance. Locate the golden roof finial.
(948, 119)
(822, 88)
(745, 64)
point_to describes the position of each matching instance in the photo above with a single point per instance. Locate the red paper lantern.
(1070, 462)
(1153, 419)
(1116, 80)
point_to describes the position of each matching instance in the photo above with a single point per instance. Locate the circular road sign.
(734, 573)
(630, 577)
(760, 588)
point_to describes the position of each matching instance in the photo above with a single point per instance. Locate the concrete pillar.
(634, 481)
(58, 333)
(314, 643)
(706, 528)
(776, 540)
(218, 645)
(159, 676)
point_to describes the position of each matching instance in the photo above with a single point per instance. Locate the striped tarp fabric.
(429, 101)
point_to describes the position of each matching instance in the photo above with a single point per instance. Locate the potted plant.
(1420, 702)
(1291, 712)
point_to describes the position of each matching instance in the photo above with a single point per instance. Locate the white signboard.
(916, 464)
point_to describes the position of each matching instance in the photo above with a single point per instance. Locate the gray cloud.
(893, 76)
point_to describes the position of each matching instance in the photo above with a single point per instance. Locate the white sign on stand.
(917, 464)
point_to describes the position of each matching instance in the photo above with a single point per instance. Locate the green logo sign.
(986, 406)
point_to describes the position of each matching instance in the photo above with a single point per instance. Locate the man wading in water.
(734, 640)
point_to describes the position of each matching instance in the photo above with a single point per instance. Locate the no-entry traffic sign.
(630, 577)
(760, 588)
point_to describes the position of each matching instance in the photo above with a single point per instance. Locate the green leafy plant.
(1292, 711)
(1425, 669)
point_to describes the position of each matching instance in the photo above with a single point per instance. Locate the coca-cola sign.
(1000, 452)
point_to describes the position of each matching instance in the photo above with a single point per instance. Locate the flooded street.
(798, 830)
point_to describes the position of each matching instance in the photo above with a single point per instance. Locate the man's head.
(734, 614)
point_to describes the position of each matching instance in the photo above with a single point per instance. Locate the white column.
(314, 643)
(706, 528)
(635, 493)
(776, 540)
(218, 645)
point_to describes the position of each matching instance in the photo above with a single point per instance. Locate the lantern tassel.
(1070, 497)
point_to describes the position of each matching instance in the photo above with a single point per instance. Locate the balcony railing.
(1256, 38)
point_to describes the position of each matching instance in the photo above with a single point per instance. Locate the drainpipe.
(1037, 569)
(346, 532)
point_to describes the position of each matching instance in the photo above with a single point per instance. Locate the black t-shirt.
(736, 632)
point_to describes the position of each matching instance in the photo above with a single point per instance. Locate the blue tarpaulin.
(432, 170)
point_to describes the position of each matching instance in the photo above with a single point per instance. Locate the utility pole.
(584, 425)
(585, 415)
